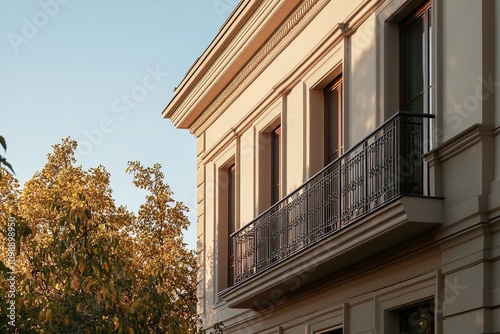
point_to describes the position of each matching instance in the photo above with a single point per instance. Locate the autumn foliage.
(84, 264)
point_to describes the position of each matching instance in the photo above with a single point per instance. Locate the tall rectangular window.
(416, 89)
(275, 164)
(333, 120)
(231, 214)
(416, 61)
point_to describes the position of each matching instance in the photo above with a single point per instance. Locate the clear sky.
(101, 72)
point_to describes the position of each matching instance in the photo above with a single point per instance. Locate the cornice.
(352, 22)
(342, 30)
(283, 35)
(222, 51)
(459, 143)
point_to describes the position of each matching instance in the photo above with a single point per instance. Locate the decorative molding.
(459, 143)
(256, 62)
(496, 132)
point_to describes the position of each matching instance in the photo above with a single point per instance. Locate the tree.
(162, 254)
(86, 265)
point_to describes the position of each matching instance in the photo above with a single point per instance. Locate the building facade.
(348, 162)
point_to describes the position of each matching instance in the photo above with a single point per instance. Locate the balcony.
(368, 200)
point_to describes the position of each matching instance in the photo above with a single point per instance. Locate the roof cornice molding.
(218, 49)
(201, 99)
(278, 41)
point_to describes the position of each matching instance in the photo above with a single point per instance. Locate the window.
(330, 199)
(227, 214)
(333, 120)
(269, 164)
(275, 164)
(416, 88)
(231, 214)
(417, 319)
(416, 61)
(279, 241)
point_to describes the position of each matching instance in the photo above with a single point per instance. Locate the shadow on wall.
(361, 112)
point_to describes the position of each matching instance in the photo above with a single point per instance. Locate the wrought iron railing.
(385, 165)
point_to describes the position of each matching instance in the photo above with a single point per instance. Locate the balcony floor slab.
(389, 226)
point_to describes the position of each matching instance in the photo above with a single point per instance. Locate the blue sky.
(102, 71)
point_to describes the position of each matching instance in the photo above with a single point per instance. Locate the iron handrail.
(385, 164)
(399, 113)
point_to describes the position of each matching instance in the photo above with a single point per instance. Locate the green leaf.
(3, 268)
(3, 320)
(6, 163)
(27, 232)
(3, 143)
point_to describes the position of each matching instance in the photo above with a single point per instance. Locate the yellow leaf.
(48, 315)
(87, 283)
(82, 266)
(135, 304)
(75, 283)
(125, 308)
(67, 252)
(104, 293)
(113, 293)
(131, 330)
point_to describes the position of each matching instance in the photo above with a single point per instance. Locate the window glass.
(231, 220)
(414, 65)
(417, 319)
(333, 120)
(275, 164)
(417, 61)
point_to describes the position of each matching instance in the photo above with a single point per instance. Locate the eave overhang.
(247, 29)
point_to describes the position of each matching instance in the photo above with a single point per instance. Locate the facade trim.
(278, 41)
(458, 144)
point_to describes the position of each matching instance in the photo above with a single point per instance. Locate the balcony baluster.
(384, 166)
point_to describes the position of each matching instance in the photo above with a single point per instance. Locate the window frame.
(424, 11)
(335, 85)
(223, 227)
(276, 139)
(264, 157)
(405, 314)
(231, 221)
(314, 85)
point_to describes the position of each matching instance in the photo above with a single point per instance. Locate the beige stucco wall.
(462, 65)
(465, 181)
(295, 139)
(361, 84)
(247, 183)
